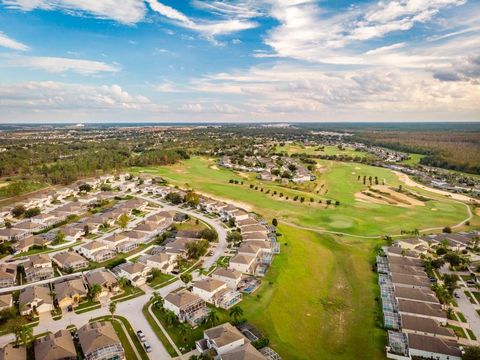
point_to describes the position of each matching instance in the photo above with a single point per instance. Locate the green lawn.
(340, 182)
(87, 305)
(414, 159)
(158, 331)
(159, 279)
(327, 150)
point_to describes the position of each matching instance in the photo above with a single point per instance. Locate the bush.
(114, 263)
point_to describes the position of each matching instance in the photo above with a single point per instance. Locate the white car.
(141, 336)
(147, 347)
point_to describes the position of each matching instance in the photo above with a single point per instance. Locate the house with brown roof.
(8, 275)
(411, 281)
(6, 301)
(243, 263)
(227, 343)
(416, 294)
(207, 288)
(426, 310)
(10, 234)
(230, 277)
(120, 242)
(28, 242)
(96, 251)
(100, 342)
(429, 347)
(186, 306)
(11, 352)
(35, 298)
(58, 346)
(105, 279)
(162, 261)
(425, 326)
(72, 233)
(38, 267)
(70, 261)
(70, 292)
(136, 273)
(29, 227)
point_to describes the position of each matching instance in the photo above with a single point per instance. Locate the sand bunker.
(382, 194)
(214, 167)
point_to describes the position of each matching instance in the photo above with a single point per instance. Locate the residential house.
(136, 273)
(164, 262)
(70, 261)
(243, 263)
(99, 341)
(120, 242)
(70, 292)
(425, 310)
(425, 326)
(96, 251)
(35, 298)
(105, 279)
(28, 242)
(10, 234)
(46, 220)
(254, 228)
(6, 301)
(186, 306)
(138, 237)
(12, 352)
(207, 288)
(230, 277)
(8, 275)
(29, 227)
(428, 347)
(38, 267)
(58, 346)
(227, 343)
(72, 233)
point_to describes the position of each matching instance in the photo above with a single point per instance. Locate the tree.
(86, 230)
(183, 330)
(18, 211)
(174, 198)
(123, 221)
(192, 198)
(450, 282)
(235, 313)
(170, 318)
(32, 212)
(59, 238)
(209, 234)
(95, 291)
(453, 258)
(23, 334)
(275, 222)
(156, 300)
(234, 237)
(447, 230)
(85, 188)
(123, 282)
(196, 249)
(212, 318)
(471, 353)
(112, 308)
(186, 278)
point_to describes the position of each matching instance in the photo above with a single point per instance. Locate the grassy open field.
(318, 299)
(312, 150)
(340, 182)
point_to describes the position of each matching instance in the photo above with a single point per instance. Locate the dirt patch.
(214, 167)
(382, 194)
(3, 184)
(239, 204)
(409, 182)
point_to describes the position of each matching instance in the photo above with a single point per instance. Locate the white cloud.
(10, 43)
(124, 11)
(207, 28)
(57, 96)
(60, 65)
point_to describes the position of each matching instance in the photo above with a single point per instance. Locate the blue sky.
(239, 60)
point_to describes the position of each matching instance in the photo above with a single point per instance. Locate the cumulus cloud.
(124, 11)
(60, 65)
(57, 96)
(10, 43)
(465, 69)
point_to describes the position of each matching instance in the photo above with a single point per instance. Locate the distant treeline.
(449, 150)
(58, 164)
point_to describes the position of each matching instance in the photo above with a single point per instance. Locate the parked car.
(147, 347)
(141, 336)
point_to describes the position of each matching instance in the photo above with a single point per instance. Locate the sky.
(239, 60)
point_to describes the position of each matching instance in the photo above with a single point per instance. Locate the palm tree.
(170, 318)
(183, 330)
(123, 282)
(112, 308)
(23, 334)
(212, 318)
(95, 291)
(157, 300)
(235, 313)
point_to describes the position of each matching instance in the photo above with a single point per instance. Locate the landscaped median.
(86, 306)
(129, 292)
(125, 338)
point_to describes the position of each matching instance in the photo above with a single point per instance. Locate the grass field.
(340, 183)
(414, 159)
(318, 299)
(312, 150)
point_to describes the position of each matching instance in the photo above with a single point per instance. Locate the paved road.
(132, 309)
